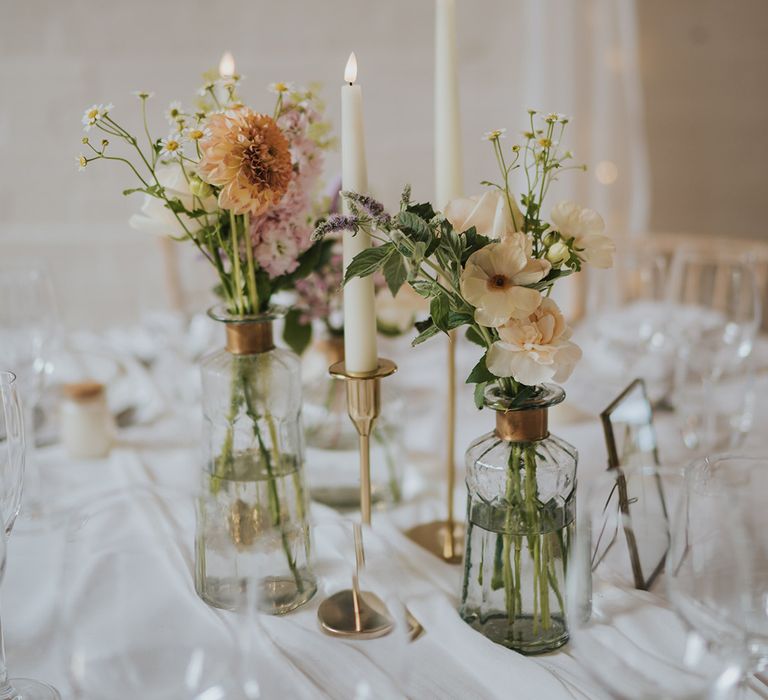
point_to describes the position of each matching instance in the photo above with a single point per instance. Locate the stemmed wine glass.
(11, 478)
(714, 299)
(27, 328)
(623, 630)
(717, 570)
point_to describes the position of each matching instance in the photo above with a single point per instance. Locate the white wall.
(58, 57)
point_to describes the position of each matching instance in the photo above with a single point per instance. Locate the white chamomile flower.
(194, 133)
(171, 146)
(94, 113)
(281, 88)
(551, 118)
(205, 89)
(494, 135)
(174, 113)
(143, 94)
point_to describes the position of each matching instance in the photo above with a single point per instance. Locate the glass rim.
(221, 313)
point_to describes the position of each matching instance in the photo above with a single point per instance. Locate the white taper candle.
(360, 353)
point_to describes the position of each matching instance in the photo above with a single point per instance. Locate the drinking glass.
(11, 478)
(714, 299)
(626, 333)
(623, 630)
(718, 566)
(133, 625)
(27, 329)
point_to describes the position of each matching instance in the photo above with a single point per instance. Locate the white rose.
(156, 218)
(535, 349)
(586, 228)
(489, 213)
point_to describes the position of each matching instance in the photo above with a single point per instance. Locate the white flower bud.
(558, 253)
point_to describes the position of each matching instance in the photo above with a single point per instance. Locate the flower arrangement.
(243, 187)
(240, 185)
(489, 263)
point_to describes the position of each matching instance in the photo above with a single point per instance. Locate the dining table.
(160, 448)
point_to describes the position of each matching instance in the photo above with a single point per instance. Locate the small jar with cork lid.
(87, 427)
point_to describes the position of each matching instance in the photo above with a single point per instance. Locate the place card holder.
(631, 441)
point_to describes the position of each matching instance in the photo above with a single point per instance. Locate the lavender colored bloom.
(334, 224)
(369, 205)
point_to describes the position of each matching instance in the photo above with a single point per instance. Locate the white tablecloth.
(449, 661)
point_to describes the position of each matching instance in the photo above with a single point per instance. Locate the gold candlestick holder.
(354, 613)
(445, 538)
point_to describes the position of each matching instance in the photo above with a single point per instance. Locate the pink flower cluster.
(319, 294)
(284, 232)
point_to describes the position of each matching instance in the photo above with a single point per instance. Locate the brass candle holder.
(445, 538)
(354, 613)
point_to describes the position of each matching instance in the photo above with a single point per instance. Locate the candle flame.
(350, 72)
(227, 65)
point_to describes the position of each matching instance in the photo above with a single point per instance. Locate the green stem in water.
(273, 495)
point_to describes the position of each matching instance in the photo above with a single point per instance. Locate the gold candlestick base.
(353, 613)
(440, 539)
(445, 538)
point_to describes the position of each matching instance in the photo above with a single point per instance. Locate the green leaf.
(395, 272)
(480, 394)
(480, 373)
(175, 205)
(473, 242)
(153, 190)
(439, 309)
(425, 334)
(425, 288)
(414, 227)
(473, 336)
(424, 210)
(296, 335)
(459, 318)
(452, 241)
(264, 289)
(368, 261)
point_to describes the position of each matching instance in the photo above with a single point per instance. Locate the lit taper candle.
(360, 354)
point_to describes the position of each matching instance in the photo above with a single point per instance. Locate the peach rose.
(535, 349)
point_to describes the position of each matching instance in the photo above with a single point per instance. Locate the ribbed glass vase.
(252, 523)
(521, 484)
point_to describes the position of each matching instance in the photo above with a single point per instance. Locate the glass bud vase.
(333, 469)
(252, 518)
(521, 505)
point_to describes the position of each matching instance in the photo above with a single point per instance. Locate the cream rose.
(489, 213)
(494, 277)
(586, 228)
(535, 349)
(156, 218)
